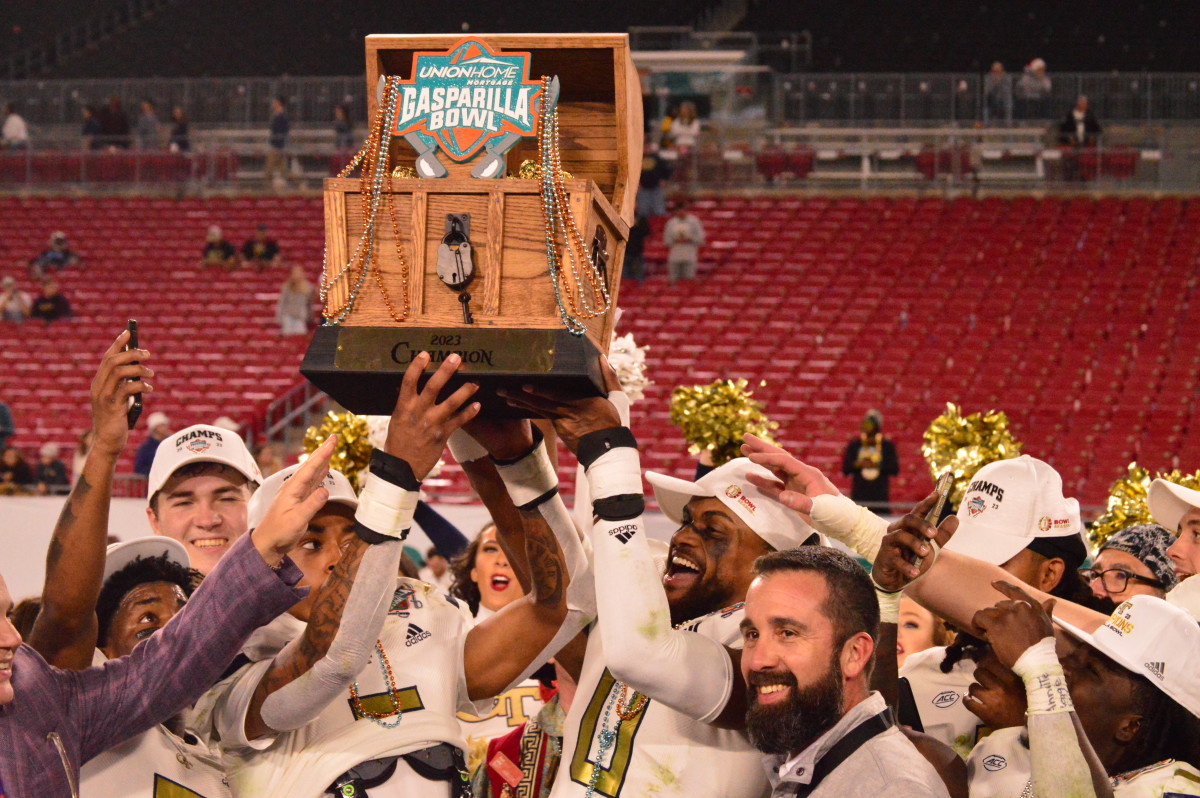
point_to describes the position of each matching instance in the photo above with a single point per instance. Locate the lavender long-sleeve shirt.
(59, 719)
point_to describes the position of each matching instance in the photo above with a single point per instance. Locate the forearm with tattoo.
(547, 569)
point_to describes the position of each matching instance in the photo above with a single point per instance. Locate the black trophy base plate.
(362, 367)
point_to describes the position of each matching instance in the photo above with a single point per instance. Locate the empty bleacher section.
(1073, 315)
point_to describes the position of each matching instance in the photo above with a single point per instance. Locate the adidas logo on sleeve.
(414, 635)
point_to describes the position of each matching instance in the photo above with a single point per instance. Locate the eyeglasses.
(1116, 580)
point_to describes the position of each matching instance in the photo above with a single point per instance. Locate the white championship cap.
(158, 419)
(200, 443)
(777, 525)
(1169, 503)
(1186, 596)
(118, 555)
(1011, 505)
(1154, 639)
(338, 486)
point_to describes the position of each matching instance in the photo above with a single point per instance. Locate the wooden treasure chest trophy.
(443, 244)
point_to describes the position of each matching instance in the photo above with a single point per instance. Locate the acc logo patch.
(976, 506)
(458, 101)
(994, 762)
(945, 699)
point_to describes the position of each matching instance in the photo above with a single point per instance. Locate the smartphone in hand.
(135, 407)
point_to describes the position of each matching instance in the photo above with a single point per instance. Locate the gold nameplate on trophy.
(449, 231)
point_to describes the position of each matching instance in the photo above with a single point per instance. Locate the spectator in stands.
(15, 304)
(114, 126)
(160, 427)
(343, 128)
(56, 258)
(217, 251)
(51, 305)
(437, 570)
(1079, 128)
(7, 427)
(79, 457)
(14, 471)
(51, 473)
(147, 127)
(635, 262)
(1033, 91)
(277, 139)
(269, 459)
(92, 133)
(997, 95)
(684, 235)
(293, 311)
(870, 460)
(261, 250)
(685, 129)
(180, 140)
(15, 133)
(652, 194)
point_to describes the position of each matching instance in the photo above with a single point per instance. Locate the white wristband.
(889, 605)
(464, 448)
(530, 478)
(386, 509)
(617, 472)
(843, 520)
(1045, 685)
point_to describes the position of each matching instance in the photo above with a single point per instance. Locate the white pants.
(681, 270)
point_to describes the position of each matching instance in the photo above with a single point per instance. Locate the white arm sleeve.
(845, 521)
(526, 480)
(641, 648)
(300, 701)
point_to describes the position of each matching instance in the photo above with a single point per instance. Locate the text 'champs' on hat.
(340, 492)
(779, 526)
(1011, 505)
(200, 443)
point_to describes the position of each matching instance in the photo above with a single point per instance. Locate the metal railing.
(774, 98)
(293, 409)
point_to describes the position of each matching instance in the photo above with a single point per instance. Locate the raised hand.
(1015, 624)
(297, 502)
(111, 390)
(997, 696)
(573, 417)
(420, 423)
(907, 540)
(795, 483)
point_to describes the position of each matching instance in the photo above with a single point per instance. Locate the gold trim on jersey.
(613, 777)
(165, 788)
(407, 698)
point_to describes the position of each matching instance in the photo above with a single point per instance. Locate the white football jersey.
(423, 639)
(1156, 781)
(658, 751)
(510, 709)
(938, 697)
(1000, 766)
(155, 764)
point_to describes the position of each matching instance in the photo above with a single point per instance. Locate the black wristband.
(393, 469)
(619, 508)
(537, 441)
(595, 444)
(368, 535)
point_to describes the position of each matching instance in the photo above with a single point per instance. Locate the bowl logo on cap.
(197, 445)
(1046, 523)
(735, 493)
(1119, 622)
(976, 506)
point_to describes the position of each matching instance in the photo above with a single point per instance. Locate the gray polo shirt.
(886, 765)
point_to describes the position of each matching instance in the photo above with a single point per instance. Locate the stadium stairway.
(1072, 315)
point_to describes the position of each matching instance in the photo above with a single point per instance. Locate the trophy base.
(362, 367)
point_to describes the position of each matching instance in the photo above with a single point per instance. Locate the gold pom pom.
(964, 444)
(353, 452)
(405, 172)
(1127, 504)
(717, 417)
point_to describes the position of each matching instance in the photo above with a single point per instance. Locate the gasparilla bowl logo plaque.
(461, 100)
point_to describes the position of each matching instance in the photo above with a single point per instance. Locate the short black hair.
(851, 603)
(141, 571)
(190, 470)
(1167, 731)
